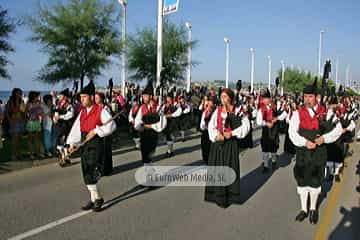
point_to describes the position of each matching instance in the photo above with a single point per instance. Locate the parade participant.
(63, 119)
(132, 115)
(307, 132)
(149, 123)
(335, 150)
(348, 123)
(225, 128)
(184, 121)
(248, 109)
(172, 112)
(92, 124)
(204, 123)
(107, 161)
(289, 147)
(267, 117)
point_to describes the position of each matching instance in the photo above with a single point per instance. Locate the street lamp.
(269, 59)
(319, 55)
(282, 77)
(227, 41)
(123, 43)
(189, 27)
(347, 76)
(337, 72)
(159, 62)
(252, 52)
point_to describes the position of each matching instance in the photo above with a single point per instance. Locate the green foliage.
(142, 49)
(79, 36)
(295, 80)
(7, 26)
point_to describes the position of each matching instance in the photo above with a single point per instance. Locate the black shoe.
(97, 205)
(88, 206)
(314, 216)
(337, 178)
(301, 216)
(330, 178)
(169, 154)
(265, 170)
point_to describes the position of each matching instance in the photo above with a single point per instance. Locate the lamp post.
(189, 27)
(252, 52)
(227, 49)
(123, 44)
(269, 60)
(282, 77)
(319, 54)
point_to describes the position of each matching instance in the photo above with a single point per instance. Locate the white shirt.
(239, 132)
(261, 122)
(158, 127)
(300, 141)
(107, 129)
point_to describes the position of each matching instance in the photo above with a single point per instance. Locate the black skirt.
(91, 160)
(335, 151)
(184, 122)
(270, 139)
(148, 142)
(205, 146)
(247, 142)
(225, 154)
(289, 147)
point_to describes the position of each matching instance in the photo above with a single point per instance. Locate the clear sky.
(284, 29)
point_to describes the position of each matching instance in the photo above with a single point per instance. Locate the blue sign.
(170, 6)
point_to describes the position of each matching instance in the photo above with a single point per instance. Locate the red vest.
(267, 114)
(308, 122)
(89, 121)
(145, 110)
(220, 121)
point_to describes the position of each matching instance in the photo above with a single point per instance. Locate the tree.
(79, 36)
(7, 26)
(142, 54)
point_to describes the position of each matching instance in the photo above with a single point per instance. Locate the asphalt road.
(44, 203)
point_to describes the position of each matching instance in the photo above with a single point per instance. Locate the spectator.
(49, 140)
(14, 112)
(34, 115)
(106, 151)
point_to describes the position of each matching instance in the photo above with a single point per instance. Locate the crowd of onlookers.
(27, 122)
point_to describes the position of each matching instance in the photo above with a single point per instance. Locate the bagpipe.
(80, 145)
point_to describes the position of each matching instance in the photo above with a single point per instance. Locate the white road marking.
(49, 225)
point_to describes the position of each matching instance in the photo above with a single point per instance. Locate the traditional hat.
(89, 89)
(148, 90)
(267, 94)
(65, 92)
(311, 89)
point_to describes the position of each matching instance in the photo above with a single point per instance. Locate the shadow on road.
(251, 183)
(348, 228)
(132, 165)
(138, 190)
